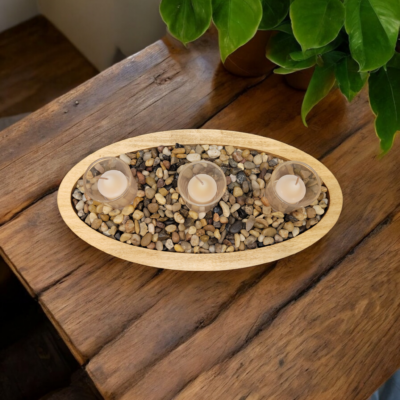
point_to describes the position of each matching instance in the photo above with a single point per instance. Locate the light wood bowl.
(200, 262)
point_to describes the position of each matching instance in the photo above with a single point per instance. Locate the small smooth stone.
(186, 247)
(284, 233)
(245, 187)
(143, 229)
(268, 240)
(179, 248)
(125, 236)
(229, 149)
(193, 214)
(175, 237)
(288, 226)
(107, 209)
(169, 244)
(213, 153)
(193, 157)
(178, 218)
(249, 165)
(127, 210)
(237, 240)
(250, 240)
(138, 215)
(194, 241)
(300, 214)
(125, 159)
(319, 210)
(79, 206)
(237, 191)
(235, 207)
(118, 219)
(176, 207)
(96, 223)
(150, 181)
(129, 226)
(150, 193)
(160, 198)
(159, 246)
(170, 228)
(236, 227)
(153, 207)
(250, 222)
(278, 238)
(296, 231)
(270, 232)
(135, 239)
(257, 159)
(192, 230)
(225, 209)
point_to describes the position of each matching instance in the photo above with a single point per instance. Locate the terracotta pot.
(250, 59)
(301, 79)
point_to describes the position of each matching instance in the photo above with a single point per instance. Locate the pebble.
(193, 157)
(225, 209)
(159, 219)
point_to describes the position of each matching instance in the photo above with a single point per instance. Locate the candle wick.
(297, 181)
(199, 180)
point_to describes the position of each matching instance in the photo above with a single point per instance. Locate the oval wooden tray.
(200, 262)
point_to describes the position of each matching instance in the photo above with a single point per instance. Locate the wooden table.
(323, 324)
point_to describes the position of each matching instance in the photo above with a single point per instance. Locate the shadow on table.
(390, 390)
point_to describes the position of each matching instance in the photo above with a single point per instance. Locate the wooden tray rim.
(200, 262)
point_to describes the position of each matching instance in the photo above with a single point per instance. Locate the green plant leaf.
(285, 26)
(284, 71)
(384, 97)
(316, 22)
(274, 12)
(187, 20)
(278, 51)
(237, 22)
(320, 85)
(303, 55)
(373, 27)
(349, 79)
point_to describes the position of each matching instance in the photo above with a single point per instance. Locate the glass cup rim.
(294, 162)
(129, 176)
(217, 167)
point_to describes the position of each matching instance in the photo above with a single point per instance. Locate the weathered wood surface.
(148, 334)
(163, 87)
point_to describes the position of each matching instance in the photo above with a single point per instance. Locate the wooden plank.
(115, 373)
(339, 341)
(163, 87)
(38, 64)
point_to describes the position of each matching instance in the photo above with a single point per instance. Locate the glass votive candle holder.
(109, 180)
(293, 184)
(201, 184)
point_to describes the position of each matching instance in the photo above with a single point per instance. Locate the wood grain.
(147, 350)
(341, 350)
(37, 65)
(165, 86)
(200, 262)
(244, 318)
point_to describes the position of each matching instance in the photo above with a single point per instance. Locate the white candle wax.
(291, 188)
(115, 184)
(204, 191)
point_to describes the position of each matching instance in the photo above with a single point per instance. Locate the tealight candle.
(112, 184)
(201, 185)
(109, 180)
(291, 188)
(202, 188)
(293, 185)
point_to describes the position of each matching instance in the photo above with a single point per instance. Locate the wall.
(106, 30)
(13, 12)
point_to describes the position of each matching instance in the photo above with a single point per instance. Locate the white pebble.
(193, 157)
(202, 215)
(166, 151)
(214, 153)
(169, 244)
(233, 178)
(125, 159)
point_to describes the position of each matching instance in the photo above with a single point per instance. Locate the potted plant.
(335, 43)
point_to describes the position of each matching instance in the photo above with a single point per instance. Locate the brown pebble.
(151, 246)
(175, 237)
(146, 239)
